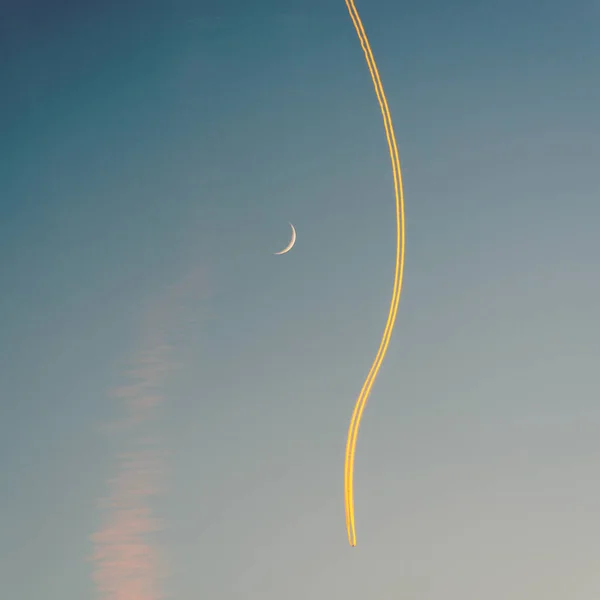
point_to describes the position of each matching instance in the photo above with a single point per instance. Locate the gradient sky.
(151, 155)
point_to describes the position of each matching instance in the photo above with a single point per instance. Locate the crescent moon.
(291, 244)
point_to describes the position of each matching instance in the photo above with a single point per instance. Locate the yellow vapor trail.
(398, 275)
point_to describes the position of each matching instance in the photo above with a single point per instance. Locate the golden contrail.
(398, 274)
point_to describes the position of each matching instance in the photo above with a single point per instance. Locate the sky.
(174, 399)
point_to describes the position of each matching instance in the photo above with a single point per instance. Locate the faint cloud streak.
(127, 563)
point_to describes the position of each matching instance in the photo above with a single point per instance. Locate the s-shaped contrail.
(398, 275)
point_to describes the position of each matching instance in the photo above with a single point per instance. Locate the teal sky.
(151, 156)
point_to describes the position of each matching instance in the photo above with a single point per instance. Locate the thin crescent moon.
(291, 244)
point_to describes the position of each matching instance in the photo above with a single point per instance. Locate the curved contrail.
(398, 274)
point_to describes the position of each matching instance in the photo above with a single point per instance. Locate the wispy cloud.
(127, 561)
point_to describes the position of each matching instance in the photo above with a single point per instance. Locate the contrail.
(127, 563)
(398, 274)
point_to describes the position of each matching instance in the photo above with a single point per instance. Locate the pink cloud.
(127, 563)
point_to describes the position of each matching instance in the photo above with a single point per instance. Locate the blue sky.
(152, 155)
